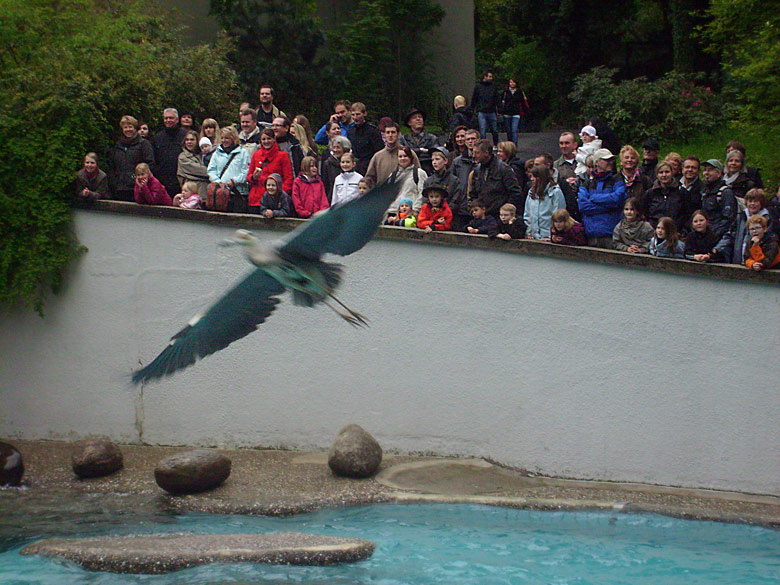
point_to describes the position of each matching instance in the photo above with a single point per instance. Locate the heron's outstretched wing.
(342, 229)
(232, 317)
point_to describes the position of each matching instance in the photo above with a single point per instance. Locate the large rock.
(96, 458)
(192, 472)
(11, 465)
(354, 453)
(162, 553)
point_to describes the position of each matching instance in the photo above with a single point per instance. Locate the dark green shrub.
(674, 107)
(68, 71)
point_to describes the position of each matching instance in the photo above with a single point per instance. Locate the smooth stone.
(11, 465)
(355, 453)
(96, 458)
(164, 553)
(192, 472)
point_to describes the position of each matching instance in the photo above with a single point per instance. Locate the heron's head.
(240, 238)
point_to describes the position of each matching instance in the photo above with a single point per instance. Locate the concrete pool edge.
(270, 482)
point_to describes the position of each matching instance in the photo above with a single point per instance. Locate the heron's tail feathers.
(332, 273)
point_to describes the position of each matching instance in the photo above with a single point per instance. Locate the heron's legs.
(353, 317)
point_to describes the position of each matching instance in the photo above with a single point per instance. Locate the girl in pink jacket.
(308, 192)
(147, 189)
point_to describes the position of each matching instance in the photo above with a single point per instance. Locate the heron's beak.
(227, 243)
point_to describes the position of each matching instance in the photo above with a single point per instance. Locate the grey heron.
(293, 264)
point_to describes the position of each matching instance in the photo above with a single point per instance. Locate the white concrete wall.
(561, 367)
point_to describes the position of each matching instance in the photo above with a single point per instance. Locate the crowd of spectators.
(274, 166)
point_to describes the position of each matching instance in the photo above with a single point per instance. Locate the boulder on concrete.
(11, 465)
(355, 453)
(192, 472)
(96, 458)
(162, 553)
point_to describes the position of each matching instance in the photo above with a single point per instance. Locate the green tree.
(388, 61)
(743, 34)
(69, 70)
(280, 42)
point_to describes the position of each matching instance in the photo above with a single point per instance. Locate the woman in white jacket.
(411, 178)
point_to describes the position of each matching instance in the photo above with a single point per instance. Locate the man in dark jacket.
(167, 145)
(691, 186)
(420, 141)
(288, 143)
(484, 101)
(461, 115)
(365, 138)
(717, 198)
(461, 169)
(493, 181)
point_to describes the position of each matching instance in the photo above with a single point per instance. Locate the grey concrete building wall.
(563, 367)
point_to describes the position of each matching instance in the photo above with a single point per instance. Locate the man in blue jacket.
(600, 200)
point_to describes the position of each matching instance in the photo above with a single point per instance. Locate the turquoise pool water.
(452, 545)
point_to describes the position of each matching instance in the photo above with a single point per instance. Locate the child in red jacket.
(308, 192)
(435, 214)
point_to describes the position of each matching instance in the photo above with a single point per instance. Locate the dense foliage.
(384, 55)
(743, 34)
(378, 55)
(280, 42)
(673, 107)
(69, 70)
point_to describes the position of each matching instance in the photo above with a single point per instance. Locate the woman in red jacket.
(267, 160)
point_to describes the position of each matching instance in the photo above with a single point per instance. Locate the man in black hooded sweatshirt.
(167, 144)
(484, 101)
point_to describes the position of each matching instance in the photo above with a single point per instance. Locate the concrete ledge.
(612, 257)
(155, 554)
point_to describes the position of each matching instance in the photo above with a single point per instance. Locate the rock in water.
(354, 453)
(11, 465)
(96, 458)
(192, 472)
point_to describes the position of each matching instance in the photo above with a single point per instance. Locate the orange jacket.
(427, 217)
(766, 252)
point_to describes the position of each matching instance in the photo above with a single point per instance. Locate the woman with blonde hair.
(210, 129)
(303, 121)
(300, 133)
(636, 182)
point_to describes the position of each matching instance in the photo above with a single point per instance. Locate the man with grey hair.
(167, 145)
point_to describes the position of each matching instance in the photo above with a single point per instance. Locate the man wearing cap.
(442, 176)
(717, 198)
(650, 149)
(365, 138)
(420, 141)
(600, 200)
(493, 181)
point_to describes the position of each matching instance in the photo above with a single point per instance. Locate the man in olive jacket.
(494, 182)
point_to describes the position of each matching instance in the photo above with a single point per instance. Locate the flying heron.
(294, 263)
